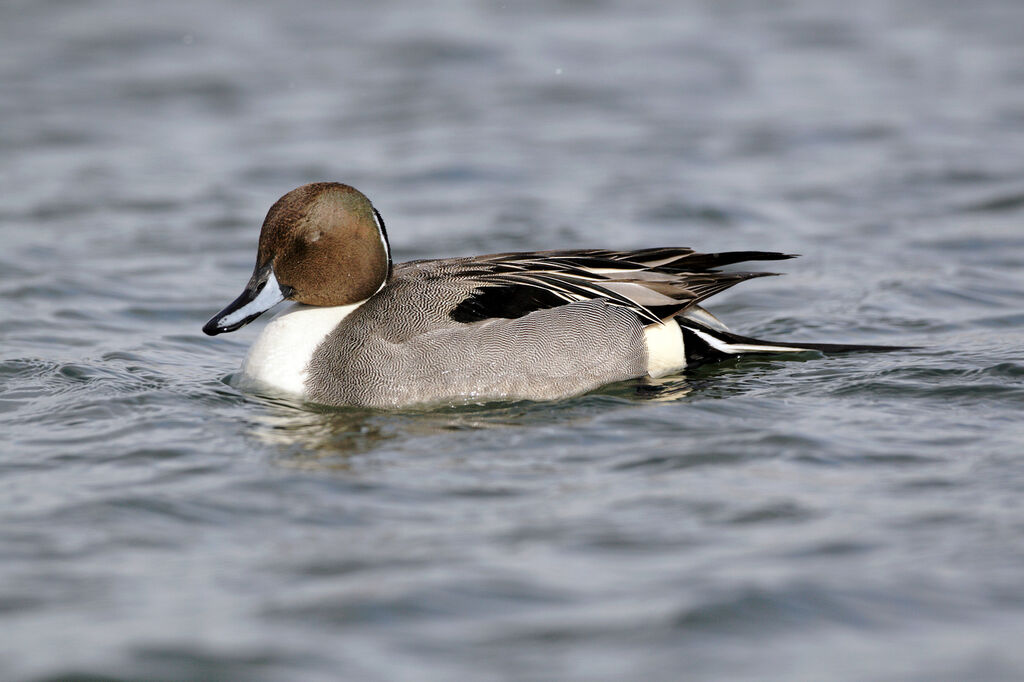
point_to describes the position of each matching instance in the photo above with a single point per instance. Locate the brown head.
(322, 244)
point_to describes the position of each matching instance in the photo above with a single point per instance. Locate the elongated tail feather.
(708, 344)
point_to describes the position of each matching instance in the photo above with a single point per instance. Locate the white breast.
(279, 359)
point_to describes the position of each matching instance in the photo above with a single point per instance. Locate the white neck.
(279, 359)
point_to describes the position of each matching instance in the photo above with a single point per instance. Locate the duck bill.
(261, 294)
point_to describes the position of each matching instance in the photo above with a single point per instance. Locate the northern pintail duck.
(538, 326)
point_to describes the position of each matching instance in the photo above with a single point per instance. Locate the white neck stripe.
(380, 233)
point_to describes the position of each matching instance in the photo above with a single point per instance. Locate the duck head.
(321, 244)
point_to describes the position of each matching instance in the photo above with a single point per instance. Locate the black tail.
(705, 344)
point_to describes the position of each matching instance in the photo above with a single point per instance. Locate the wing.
(654, 284)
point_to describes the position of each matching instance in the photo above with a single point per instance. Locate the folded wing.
(654, 284)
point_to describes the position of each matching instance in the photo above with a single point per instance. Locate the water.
(846, 518)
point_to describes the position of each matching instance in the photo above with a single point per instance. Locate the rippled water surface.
(843, 518)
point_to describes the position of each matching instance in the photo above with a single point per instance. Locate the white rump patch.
(279, 359)
(666, 353)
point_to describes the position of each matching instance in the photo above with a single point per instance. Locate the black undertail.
(704, 344)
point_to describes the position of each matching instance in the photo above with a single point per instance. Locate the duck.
(360, 330)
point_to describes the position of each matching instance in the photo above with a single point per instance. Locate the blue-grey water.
(846, 518)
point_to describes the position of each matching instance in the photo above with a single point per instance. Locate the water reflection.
(314, 436)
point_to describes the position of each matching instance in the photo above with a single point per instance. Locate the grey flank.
(402, 347)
